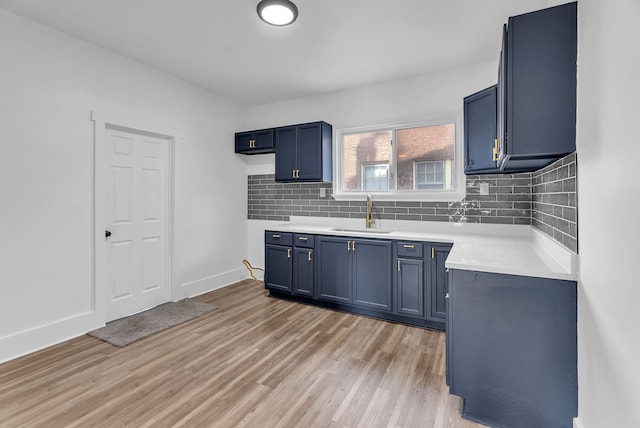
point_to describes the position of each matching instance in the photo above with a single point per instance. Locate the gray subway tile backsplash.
(545, 199)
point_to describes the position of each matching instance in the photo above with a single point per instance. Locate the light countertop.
(507, 249)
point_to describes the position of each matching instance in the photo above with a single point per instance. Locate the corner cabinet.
(528, 120)
(255, 142)
(538, 71)
(303, 152)
(402, 281)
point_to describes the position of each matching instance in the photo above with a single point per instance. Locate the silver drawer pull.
(409, 246)
(277, 236)
(303, 238)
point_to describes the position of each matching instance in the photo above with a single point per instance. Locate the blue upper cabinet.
(255, 142)
(540, 96)
(303, 152)
(530, 116)
(480, 119)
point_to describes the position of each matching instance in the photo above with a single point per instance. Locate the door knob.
(107, 234)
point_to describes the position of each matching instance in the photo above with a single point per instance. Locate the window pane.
(430, 175)
(364, 150)
(422, 147)
(376, 178)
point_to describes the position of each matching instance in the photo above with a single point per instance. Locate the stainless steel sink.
(339, 229)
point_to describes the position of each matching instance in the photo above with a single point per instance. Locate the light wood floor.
(254, 362)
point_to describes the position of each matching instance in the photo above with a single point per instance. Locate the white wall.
(413, 99)
(608, 229)
(49, 84)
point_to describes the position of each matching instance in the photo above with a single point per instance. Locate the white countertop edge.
(506, 270)
(537, 254)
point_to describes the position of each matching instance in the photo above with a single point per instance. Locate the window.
(430, 175)
(399, 162)
(375, 177)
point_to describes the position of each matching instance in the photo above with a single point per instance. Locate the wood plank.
(254, 362)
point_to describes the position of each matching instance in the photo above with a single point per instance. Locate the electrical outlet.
(484, 188)
(323, 192)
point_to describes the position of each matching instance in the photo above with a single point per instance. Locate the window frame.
(457, 193)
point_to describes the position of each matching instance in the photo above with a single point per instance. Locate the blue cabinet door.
(278, 264)
(333, 274)
(286, 146)
(372, 273)
(410, 297)
(303, 260)
(309, 160)
(314, 152)
(480, 131)
(438, 286)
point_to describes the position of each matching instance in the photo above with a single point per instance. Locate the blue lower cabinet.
(438, 285)
(278, 267)
(303, 259)
(355, 271)
(372, 273)
(394, 280)
(512, 349)
(334, 269)
(410, 287)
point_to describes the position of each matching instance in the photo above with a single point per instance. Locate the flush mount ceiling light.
(277, 12)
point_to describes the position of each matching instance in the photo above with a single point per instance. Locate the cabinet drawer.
(278, 238)
(409, 249)
(302, 240)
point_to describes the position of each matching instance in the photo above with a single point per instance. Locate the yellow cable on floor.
(251, 269)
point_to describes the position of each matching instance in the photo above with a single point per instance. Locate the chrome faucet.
(369, 216)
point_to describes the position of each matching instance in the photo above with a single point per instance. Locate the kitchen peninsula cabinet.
(511, 348)
(303, 152)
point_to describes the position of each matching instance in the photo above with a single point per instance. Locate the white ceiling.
(222, 45)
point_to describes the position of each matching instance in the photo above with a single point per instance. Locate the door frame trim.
(102, 122)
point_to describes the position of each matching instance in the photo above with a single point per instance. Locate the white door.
(136, 213)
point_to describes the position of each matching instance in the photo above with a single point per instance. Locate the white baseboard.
(577, 423)
(210, 283)
(40, 337)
